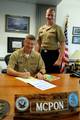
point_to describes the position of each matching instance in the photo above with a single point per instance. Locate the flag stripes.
(65, 60)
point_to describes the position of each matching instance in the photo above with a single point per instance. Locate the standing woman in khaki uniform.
(51, 43)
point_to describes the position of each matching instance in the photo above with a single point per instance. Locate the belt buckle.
(45, 50)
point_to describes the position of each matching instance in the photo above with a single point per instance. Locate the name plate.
(45, 104)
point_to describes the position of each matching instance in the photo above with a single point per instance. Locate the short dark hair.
(30, 36)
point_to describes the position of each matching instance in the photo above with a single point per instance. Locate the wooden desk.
(9, 87)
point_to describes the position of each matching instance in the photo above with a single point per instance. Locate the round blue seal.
(22, 103)
(73, 99)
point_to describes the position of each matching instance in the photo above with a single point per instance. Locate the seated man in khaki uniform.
(26, 62)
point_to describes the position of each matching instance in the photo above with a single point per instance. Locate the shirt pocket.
(41, 34)
(52, 33)
(33, 66)
(21, 64)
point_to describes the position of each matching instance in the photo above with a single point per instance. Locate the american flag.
(65, 60)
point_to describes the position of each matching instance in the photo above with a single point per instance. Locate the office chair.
(6, 59)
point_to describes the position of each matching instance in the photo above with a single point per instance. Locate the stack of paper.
(40, 84)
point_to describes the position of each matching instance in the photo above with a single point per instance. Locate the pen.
(27, 73)
(25, 70)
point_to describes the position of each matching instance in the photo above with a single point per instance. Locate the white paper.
(40, 84)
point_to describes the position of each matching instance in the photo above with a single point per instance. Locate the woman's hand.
(58, 62)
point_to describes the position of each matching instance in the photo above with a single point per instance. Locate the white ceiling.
(47, 2)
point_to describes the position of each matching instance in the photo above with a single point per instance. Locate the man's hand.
(40, 76)
(25, 74)
(13, 72)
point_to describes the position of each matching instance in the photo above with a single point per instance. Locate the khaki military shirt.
(32, 63)
(50, 36)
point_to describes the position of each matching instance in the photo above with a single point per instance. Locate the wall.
(71, 8)
(18, 9)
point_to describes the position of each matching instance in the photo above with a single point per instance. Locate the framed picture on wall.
(76, 31)
(14, 43)
(17, 24)
(76, 39)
